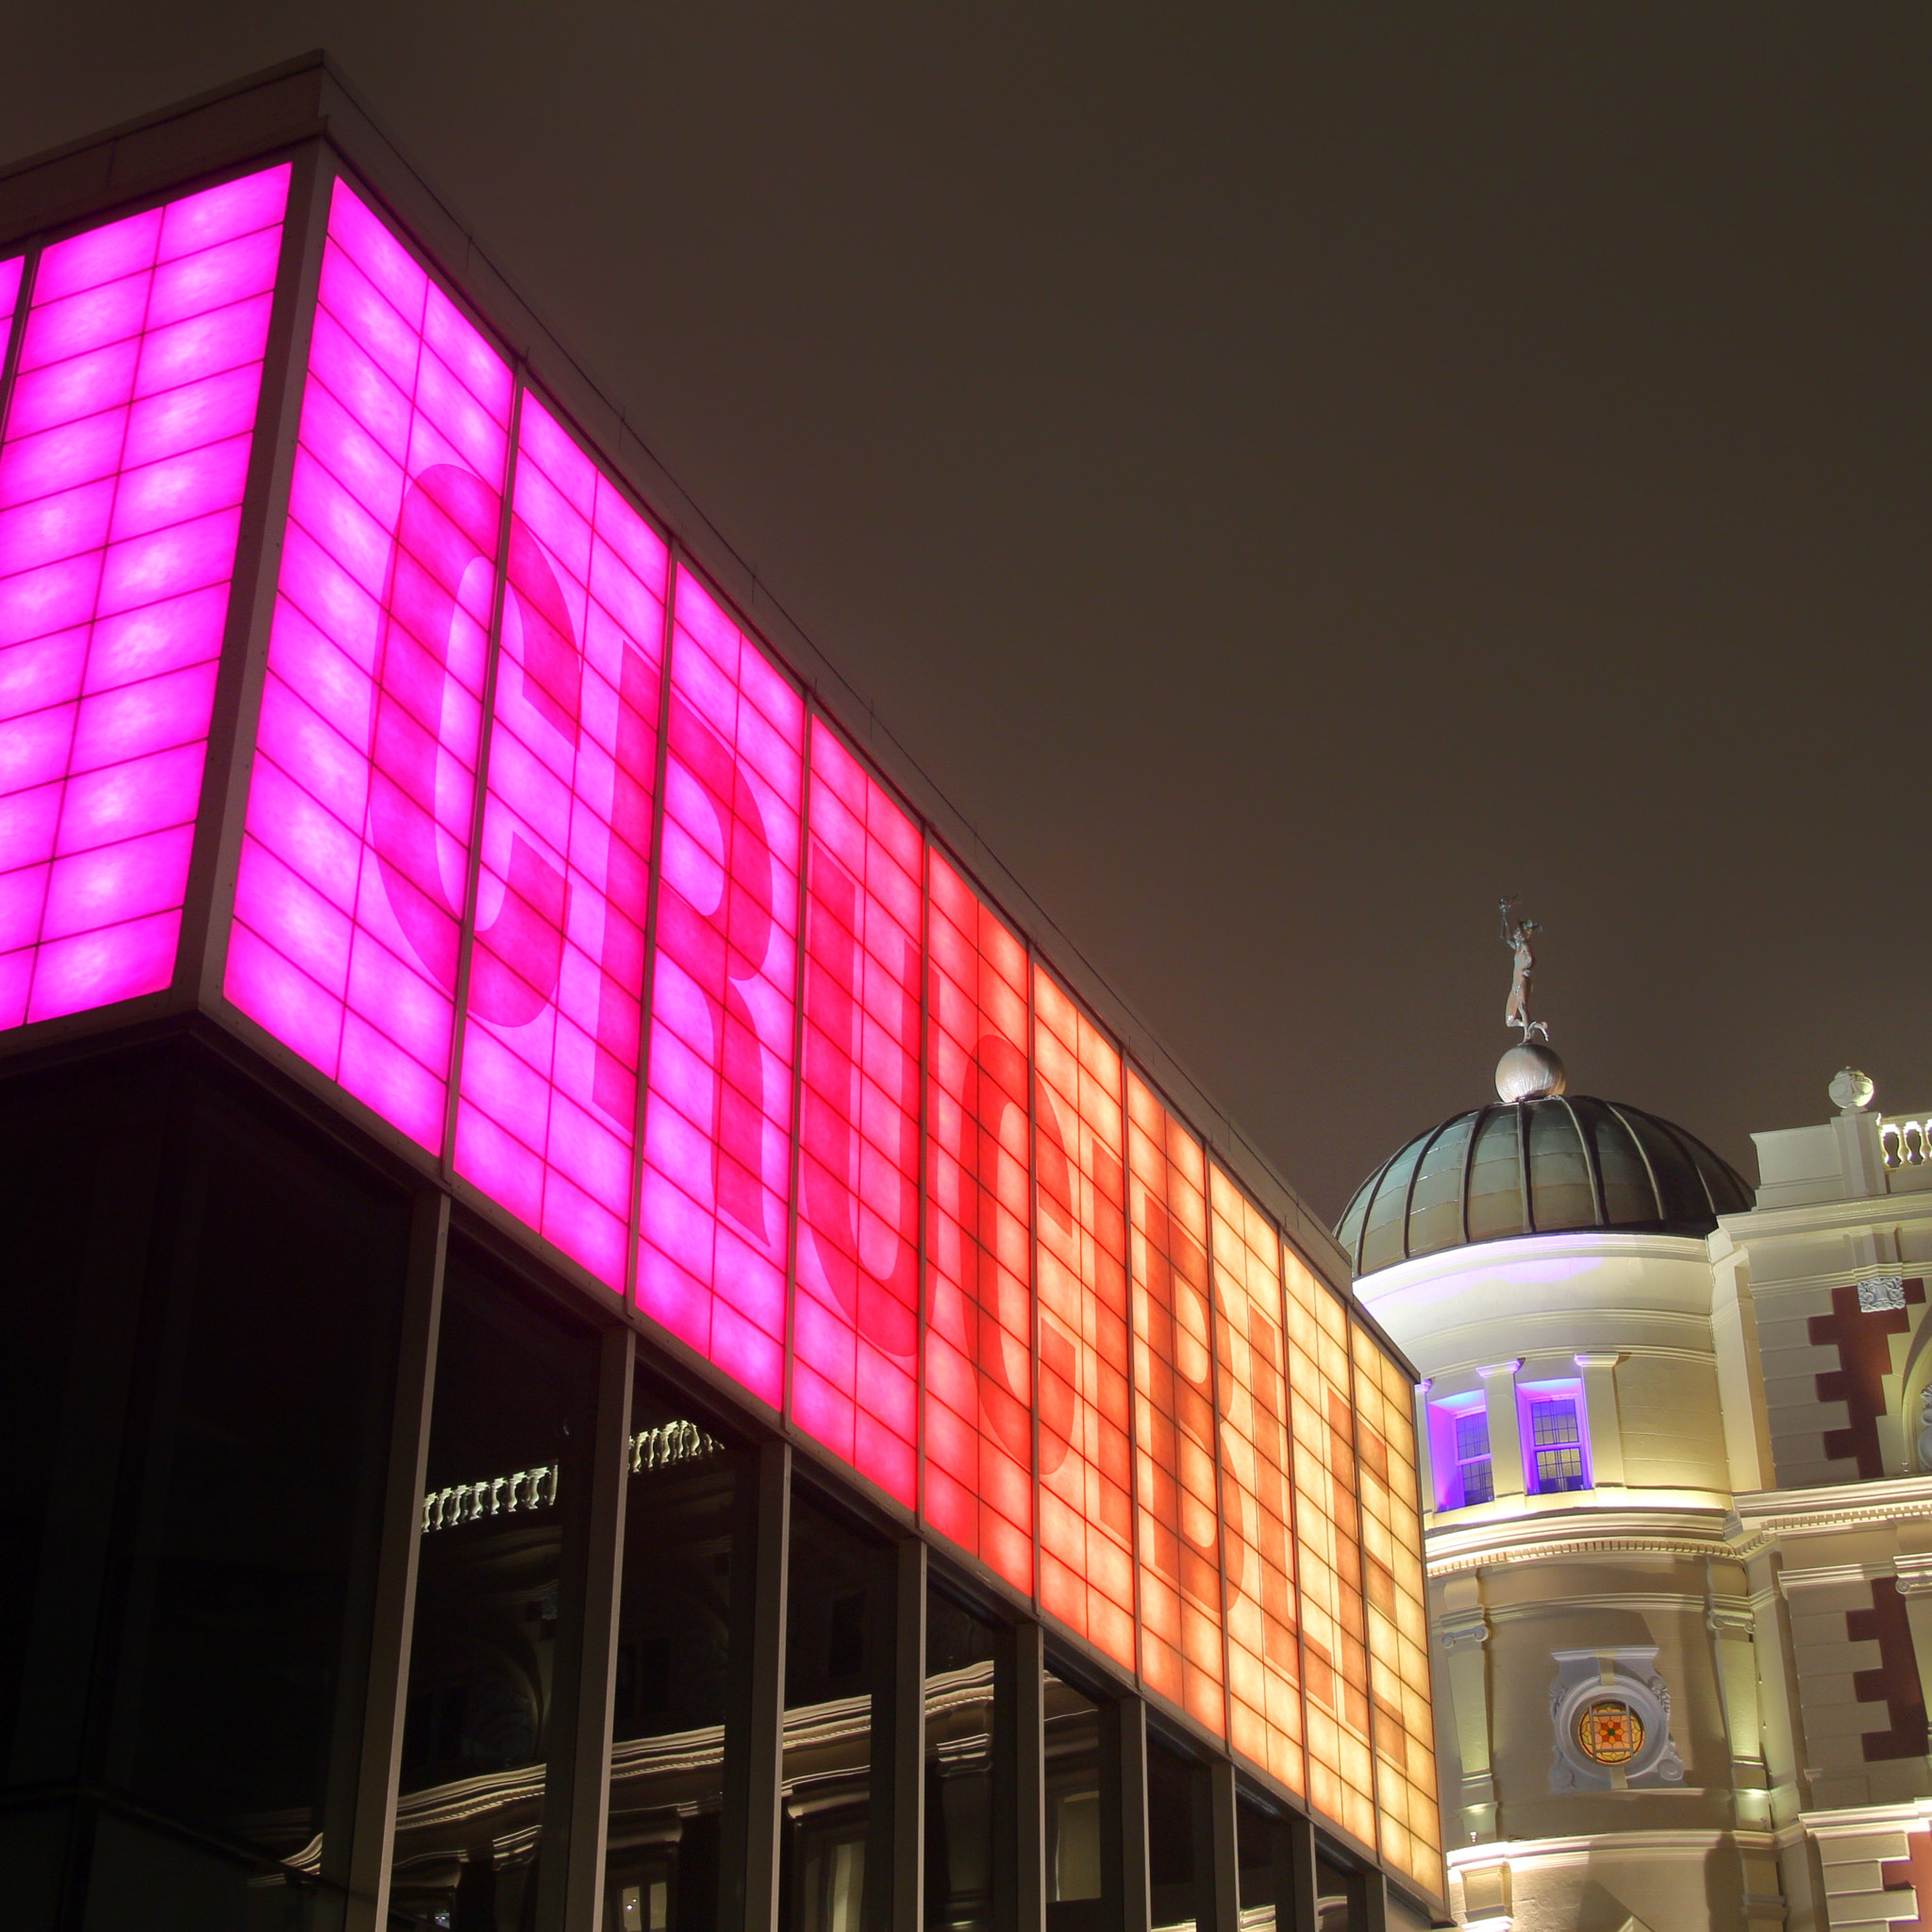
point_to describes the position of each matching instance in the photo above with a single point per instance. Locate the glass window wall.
(498, 1600)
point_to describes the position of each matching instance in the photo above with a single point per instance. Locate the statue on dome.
(1516, 934)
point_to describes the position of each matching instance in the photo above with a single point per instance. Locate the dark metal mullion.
(486, 731)
(1297, 1893)
(357, 1846)
(1409, 1192)
(1521, 1108)
(1469, 1162)
(1588, 1150)
(899, 1769)
(1219, 1842)
(1657, 1196)
(1124, 1813)
(755, 1717)
(577, 1782)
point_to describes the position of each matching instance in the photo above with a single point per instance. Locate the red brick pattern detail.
(1896, 1679)
(1863, 1341)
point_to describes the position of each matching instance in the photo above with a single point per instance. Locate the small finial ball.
(1529, 1071)
(1850, 1090)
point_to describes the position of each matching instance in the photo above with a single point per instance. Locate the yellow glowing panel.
(1335, 1658)
(1397, 1615)
(1174, 1413)
(1086, 1441)
(1265, 1652)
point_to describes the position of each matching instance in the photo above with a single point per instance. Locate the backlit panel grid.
(127, 440)
(1086, 1362)
(1397, 1613)
(1264, 1690)
(718, 1120)
(1174, 1413)
(545, 1123)
(855, 1369)
(357, 853)
(11, 271)
(979, 1293)
(1334, 1662)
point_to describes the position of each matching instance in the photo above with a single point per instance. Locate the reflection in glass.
(1261, 1854)
(1073, 1872)
(500, 1577)
(1338, 1897)
(673, 1662)
(838, 1635)
(961, 1652)
(1173, 1871)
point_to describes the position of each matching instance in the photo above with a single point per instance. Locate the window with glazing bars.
(1557, 1443)
(1475, 1478)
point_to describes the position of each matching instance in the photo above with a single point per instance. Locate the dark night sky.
(1288, 474)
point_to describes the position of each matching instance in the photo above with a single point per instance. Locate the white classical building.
(1680, 1550)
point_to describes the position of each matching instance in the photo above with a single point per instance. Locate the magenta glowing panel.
(126, 456)
(356, 859)
(855, 1311)
(11, 271)
(979, 1264)
(713, 1230)
(546, 1117)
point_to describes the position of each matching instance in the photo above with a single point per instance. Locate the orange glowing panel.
(1174, 1413)
(1398, 1618)
(1086, 1443)
(980, 1290)
(1335, 1658)
(1264, 1652)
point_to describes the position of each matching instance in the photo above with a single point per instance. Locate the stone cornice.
(1823, 1217)
(1760, 1517)
(1531, 1851)
(1627, 1531)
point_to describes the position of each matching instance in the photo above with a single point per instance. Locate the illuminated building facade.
(1678, 1511)
(602, 1338)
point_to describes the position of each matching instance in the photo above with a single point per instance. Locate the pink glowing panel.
(357, 853)
(547, 1118)
(1174, 1412)
(718, 1117)
(1086, 1371)
(979, 1276)
(856, 1300)
(126, 458)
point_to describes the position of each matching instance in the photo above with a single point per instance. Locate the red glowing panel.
(128, 440)
(1397, 1613)
(1264, 1652)
(855, 1311)
(717, 1121)
(546, 1116)
(980, 1290)
(1334, 1661)
(1085, 1366)
(1174, 1413)
(356, 859)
